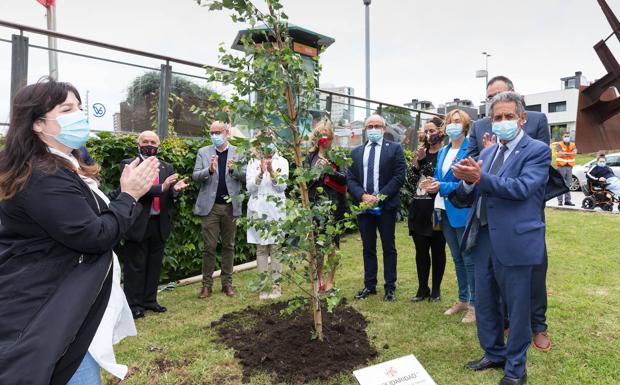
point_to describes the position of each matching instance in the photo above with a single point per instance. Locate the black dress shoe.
(137, 313)
(569, 204)
(514, 381)
(364, 293)
(434, 298)
(389, 296)
(420, 296)
(484, 363)
(157, 308)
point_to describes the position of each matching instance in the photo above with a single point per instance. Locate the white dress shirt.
(375, 178)
(511, 146)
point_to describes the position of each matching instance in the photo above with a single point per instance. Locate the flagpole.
(51, 41)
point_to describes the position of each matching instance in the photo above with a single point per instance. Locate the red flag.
(47, 3)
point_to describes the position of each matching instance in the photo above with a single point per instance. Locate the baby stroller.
(597, 195)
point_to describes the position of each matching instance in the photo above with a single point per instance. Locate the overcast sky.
(419, 49)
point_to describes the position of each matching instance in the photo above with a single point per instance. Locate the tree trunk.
(303, 187)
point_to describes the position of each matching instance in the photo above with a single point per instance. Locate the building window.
(557, 107)
(534, 107)
(557, 130)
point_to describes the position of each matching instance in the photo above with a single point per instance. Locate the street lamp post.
(367, 4)
(486, 68)
(484, 73)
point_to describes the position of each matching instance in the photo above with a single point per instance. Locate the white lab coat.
(258, 204)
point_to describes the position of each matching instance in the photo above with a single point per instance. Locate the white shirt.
(375, 178)
(511, 146)
(445, 166)
(262, 192)
(117, 322)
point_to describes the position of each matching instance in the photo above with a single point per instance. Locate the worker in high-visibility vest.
(565, 160)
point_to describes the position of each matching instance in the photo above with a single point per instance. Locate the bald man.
(219, 180)
(143, 247)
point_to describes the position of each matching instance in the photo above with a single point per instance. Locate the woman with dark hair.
(330, 187)
(423, 225)
(62, 305)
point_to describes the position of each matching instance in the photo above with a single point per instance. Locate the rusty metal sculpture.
(598, 115)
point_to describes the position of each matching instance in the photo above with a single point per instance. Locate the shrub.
(185, 247)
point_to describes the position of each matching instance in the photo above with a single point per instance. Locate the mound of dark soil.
(266, 341)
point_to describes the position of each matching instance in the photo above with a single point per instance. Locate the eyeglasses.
(216, 132)
(373, 126)
(491, 97)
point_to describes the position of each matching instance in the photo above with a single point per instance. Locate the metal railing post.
(328, 105)
(164, 96)
(19, 65)
(417, 129)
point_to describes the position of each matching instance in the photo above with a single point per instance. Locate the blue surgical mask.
(374, 135)
(454, 130)
(506, 130)
(74, 129)
(217, 139)
(601, 164)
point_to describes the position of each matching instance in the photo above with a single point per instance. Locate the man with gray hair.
(375, 178)
(219, 180)
(505, 234)
(480, 137)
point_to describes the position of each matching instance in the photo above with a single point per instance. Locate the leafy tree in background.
(398, 115)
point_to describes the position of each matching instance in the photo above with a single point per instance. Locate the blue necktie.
(499, 161)
(370, 174)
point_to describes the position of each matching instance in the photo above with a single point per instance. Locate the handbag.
(555, 185)
(330, 182)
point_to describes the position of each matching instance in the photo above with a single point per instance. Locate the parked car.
(579, 171)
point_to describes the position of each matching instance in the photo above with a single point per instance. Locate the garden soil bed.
(282, 345)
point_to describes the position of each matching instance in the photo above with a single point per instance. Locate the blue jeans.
(463, 263)
(87, 373)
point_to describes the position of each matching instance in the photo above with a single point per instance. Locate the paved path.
(577, 198)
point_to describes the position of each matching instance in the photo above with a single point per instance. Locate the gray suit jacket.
(208, 189)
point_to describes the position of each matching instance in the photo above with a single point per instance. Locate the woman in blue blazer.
(456, 126)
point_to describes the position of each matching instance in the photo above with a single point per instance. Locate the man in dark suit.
(144, 243)
(480, 137)
(377, 170)
(505, 234)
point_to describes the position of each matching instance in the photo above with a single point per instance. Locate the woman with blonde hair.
(456, 127)
(330, 186)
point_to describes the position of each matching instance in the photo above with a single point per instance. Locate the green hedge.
(184, 248)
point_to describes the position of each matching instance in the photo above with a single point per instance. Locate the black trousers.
(386, 224)
(142, 261)
(430, 251)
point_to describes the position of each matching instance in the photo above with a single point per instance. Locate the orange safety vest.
(566, 160)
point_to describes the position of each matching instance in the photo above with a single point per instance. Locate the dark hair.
(500, 78)
(437, 121)
(23, 149)
(601, 155)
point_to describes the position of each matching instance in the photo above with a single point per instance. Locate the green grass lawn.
(177, 347)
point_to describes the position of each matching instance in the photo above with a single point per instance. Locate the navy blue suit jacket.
(536, 126)
(392, 166)
(514, 198)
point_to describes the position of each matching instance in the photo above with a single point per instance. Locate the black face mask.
(148, 150)
(433, 139)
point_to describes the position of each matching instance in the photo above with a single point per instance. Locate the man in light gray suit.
(219, 179)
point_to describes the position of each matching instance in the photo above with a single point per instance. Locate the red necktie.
(156, 199)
